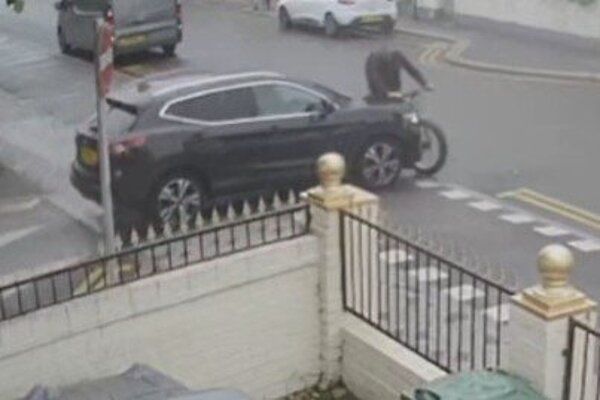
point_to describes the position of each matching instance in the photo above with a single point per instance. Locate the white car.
(334, 15)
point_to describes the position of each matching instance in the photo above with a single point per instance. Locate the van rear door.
(129, 13)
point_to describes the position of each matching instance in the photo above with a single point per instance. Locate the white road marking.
(455, 194)
(485, 205)
(427, 184)
(551, 231)
(465, 292)
(17, 206)
(13, 236)
(587, 245)
(492, 313)
(517, 218)
(428, 274)
(394, 257)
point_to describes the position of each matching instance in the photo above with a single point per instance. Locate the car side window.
(226, 105)
(277, 99)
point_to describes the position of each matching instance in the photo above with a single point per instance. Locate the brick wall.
(248, 321)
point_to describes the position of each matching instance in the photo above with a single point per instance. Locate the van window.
(140, 11)
(227, 105)
(91, 5)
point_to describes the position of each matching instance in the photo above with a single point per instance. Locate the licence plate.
(369, 19)
(89, 156)
(133, 40)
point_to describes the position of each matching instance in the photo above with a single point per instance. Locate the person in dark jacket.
(383, 69)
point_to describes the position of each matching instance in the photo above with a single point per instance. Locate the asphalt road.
(504, 133)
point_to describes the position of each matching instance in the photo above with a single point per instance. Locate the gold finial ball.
(331, 168)
(555, 263)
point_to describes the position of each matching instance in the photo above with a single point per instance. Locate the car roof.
(159, 88)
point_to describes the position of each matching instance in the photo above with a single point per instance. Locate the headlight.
(412, 118)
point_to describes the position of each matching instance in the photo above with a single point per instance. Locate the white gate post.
(326, 201)
(539, 322)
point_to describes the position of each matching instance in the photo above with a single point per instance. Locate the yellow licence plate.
(133, 40)
(89, 156)
(372, 18)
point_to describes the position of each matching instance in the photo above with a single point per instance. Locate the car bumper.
(86, 183)
(360, 18)
(131, 42)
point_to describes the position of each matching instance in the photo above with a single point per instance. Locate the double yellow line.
(96, 279)
(559, 207)
(433, 53)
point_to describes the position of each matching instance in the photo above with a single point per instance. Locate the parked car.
(180, 143)
(139, 24)
(137, 383)
(334, 15)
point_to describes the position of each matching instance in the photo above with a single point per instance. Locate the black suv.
(182, 142)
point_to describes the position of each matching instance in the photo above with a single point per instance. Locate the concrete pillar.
(326, 200)
(539, 321)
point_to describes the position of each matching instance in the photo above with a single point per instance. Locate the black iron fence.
(582, 372)
(444, 312)
(155, 257)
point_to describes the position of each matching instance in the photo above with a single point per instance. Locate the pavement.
(509, 48)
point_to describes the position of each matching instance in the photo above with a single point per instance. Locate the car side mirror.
(326, 108)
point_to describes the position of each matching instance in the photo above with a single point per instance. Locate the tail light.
(178, 9)
(126, 146)
(347, 2)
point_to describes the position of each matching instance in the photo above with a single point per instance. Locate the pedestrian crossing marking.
(517, 219)
(586, 245)
(427, 184)
(492, 313)
(551, 231)
(463, 293)
(428, 274)
(485, 205)
(395, 257)
(455, 194)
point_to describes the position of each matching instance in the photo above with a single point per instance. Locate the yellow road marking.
(432, 53)
(97, 279)
(556, 206)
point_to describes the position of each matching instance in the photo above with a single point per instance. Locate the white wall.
(374, 367)
(557, 15)
(248, 321)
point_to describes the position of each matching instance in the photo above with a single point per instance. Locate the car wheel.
(177, 200)
(331, 25)
(65, 47)
(285, 22)
(379, 163)
(169, 50)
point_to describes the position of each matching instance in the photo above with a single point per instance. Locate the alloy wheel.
(179, 202)
(381, 164)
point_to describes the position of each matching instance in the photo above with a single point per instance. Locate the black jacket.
(383, 70)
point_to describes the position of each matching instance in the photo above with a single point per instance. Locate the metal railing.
(152, 258)
(582, 367)
(445, 313)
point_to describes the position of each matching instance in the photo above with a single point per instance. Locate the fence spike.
(262, 206)
(246, 210)
(167, 230)
(292, 199)
(276, 201)
(151, 235)
(135, 238)
(215, 218)
(230, 215)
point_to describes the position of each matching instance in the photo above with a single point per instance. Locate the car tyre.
(285, 21)
(177, 199)
(434, 137)
(65, 47)
(169, 50)
(379, 163)
(331, 25)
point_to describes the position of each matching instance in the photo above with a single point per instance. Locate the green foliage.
(16, 5)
